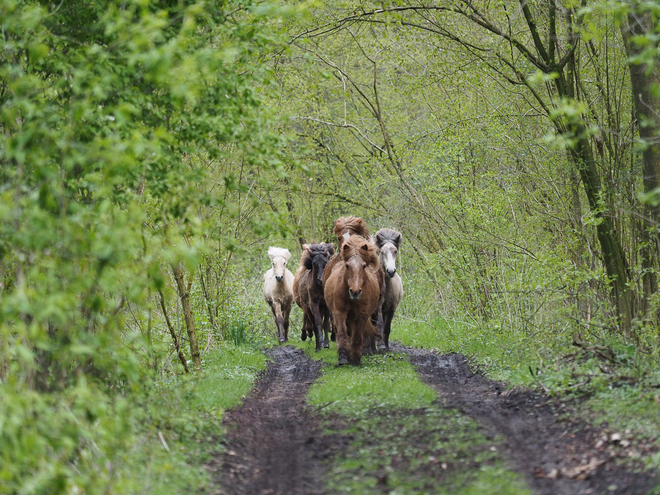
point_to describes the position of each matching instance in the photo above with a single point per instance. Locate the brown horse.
(345, 225)
(352, 292)
(308, 292)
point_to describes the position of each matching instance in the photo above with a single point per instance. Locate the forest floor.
(475, 437)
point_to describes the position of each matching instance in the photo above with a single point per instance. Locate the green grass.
(423, 450)
(187, 412)
(620, 395)
(506, 355)
(383, 380)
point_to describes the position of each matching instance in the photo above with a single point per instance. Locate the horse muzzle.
(354, 295)
(279, 278)
(391, 273)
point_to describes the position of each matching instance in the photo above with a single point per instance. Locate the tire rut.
(537, 444)
(273, 445)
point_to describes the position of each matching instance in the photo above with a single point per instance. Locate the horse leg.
(303, 335)
(342, 338)
(318, 325)
(287, 313)
(326, 328)
(357, 333)
(277, 309)
(380, 327)
(388, 327)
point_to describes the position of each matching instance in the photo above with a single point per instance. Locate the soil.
(275, 445)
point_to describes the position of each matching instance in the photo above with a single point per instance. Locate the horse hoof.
(282, 341)
(326, 345)
(303, 337)
(382, 348)
(342, 359)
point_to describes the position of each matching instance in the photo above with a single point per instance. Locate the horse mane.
(274, 252)
(353, 225)
(315, 249)
(357, 245)
(383, 236)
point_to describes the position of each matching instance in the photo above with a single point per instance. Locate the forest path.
(275, 443)
(556, 456)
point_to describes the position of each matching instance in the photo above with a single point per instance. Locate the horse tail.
(369, 329)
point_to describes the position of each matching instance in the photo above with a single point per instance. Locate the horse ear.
(330, 249)
(307, 262)
(398, 240)
(379, 239)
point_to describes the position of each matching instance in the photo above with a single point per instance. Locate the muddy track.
(558, 457)
(273, 445)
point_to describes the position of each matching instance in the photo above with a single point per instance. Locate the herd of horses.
(350, 294)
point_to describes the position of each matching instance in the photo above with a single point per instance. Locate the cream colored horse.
(278, 290)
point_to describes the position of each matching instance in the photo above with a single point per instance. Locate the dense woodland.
(151, 151)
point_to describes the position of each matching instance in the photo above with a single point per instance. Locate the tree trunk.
(177, 345)
(613, 256)
(184, 295)
(646, 104)
(646, 108)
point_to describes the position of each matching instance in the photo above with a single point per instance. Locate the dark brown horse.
(308, 292)
(352, 292)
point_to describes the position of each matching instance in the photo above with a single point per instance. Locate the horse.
(278, 290)
(388, 242)
(308, 292)
(345, 225)
(352, 292)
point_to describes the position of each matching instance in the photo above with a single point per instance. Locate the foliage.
(121, 125)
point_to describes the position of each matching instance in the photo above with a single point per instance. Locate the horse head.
(358, 255)
(317, 258)
(388, 241)
(351, 226)
(278, 259)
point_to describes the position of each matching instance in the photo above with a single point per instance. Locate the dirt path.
(558, 457)
(274, 444)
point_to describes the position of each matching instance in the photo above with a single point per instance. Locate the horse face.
(355, 272)
(319, 263)
(279, 267)
(388, 256)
